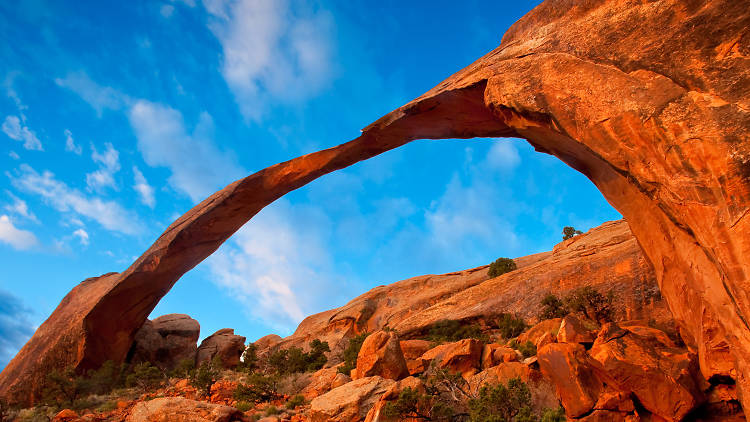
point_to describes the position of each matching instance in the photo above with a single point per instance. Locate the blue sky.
(117, 117)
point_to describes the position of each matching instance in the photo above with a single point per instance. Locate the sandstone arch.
(649, 99)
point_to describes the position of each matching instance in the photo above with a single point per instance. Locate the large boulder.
(166, 341)
(223, 343)
(321, 382)
(381, 355)
(462, 357)
(376, 412)
(570, 369)
(542, 390)
(178, 409)
(662, 378)
(266, 342)
(350, 402)
(413, 350)
(573, 330)
(533, 334)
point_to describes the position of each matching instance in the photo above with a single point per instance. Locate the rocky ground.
(437, 347)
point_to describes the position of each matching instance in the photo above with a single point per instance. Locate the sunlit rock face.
(648, 99)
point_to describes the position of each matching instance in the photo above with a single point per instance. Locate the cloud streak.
(15, 130)
(18, 239)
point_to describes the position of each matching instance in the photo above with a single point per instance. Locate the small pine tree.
(351, 352)
(258, 389)
(249, 360)
(316, 358)
(501, 266)
(510, 326)
(552, 307)
(591, 304)
(145, 376)
(501, 402)
(206, 375)
(63, 388)
(570, 232)
(184, 369)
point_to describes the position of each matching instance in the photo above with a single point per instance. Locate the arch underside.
(662, 136)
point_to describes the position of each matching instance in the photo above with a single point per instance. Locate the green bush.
(63, 388)
(243, 406)
(249, 361)
(295, 401)
(316, 358)
(412, 404)
(206, 375)
(510, 326)
(272, 410)
(145, 376)
(294, 359)
(591, 304)
(527, 349)
(554, 415)
(351, 352)
(570, 232)
(501, 266)
(448, 330)
(552, 307)
(502, 403)
(184, 369)
(105, 379)
(107, 406)
(258, 389)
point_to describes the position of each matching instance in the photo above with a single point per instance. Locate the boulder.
(463, 357)
(494, 354)
(223, 343)
(381, 356)
(413, 350)
(166, 341)
(65, 415)
(351, 402)
(499, 374)
(178, 409)
(533, 334)
(570, 369)
(662, 378)
(266, 342)
(572, 330)
(322, 382)
(544, 340)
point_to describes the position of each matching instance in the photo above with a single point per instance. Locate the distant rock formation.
(224, 344)
(649, 100)
(166, 341)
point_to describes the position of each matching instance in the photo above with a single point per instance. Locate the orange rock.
(498, 374)
(65, 415)
(569, 368)
(223, 343)
(374, 415)
(222, 391)
(321, 382)
(178, 409)
(662, 378)
(350, 402)
(463, 356)
(381, 355)
(545, 339)
(413, 349)
(536, 332)
(572, 330)
(650, 332)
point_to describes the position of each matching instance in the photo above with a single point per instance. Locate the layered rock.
(224, 344)
(178, 409)
(381, 355)
(649, 100)
(350, 402)
(166, 341)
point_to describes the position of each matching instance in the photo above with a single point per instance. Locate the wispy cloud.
(70, 143)
(274, 51)
(99, 97)
(145, 191)
(15, 328)
(15, 130)
(64, 198)
(166, 10)
(19, 207)
(109, 164)
(198, 167)
(82, 235)
(14, 155)
(15, 237)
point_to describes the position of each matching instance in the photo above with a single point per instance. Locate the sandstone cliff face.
(649, 100)
(607, 258)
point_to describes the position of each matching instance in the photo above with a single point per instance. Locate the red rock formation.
(649, 100)
(568, 367)
(463, 356)
(381, 355)
(223, 343)
(166, 341)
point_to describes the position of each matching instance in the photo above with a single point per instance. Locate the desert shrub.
(243, 406)
(258, 389)
(107, 406)
(105, 379)
(527, 349)
(295, 360)
(570, 232)
(184, 369)
(295, 401)
(501, 266)
(510, 326)
(351, 352)
(552, 307)
(63, 388)
(511, 402)
(249, 361)
(591, 303)
(412, 404)
(272, 410)
(145, 376)
(554, 415)
(316, 358)
(453, 330)
(206, 375)
(293, 384)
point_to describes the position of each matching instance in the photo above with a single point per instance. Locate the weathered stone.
(413, 350)
(350, 402)
(266, 342)
(463, 357)
(178, 409)
(545, 339)
(381, 355)
(662, 378)
(321, 382)
(568, 367)
(223, 343)
(533, 334)
(374, 415)
(572, 330)
(166, 341)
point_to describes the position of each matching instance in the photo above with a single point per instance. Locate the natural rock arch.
(649, 100)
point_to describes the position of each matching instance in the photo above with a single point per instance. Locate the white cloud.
(272, 51)
(15, 130)
(19, 207)
(166, 10)
(145, 191)
(278, 265)
(63, 198)
(198, 167)
(16, 238)
(13, 155)
(503, 155)
(70, 144)
(99, 97)
(82, 236)
(109, 164)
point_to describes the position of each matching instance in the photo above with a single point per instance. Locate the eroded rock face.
(178, 409)
(166, 341)
(568, 367)
(381, 355)
(649, 100)
(350, 402)
(223, 343)
(463, 356)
